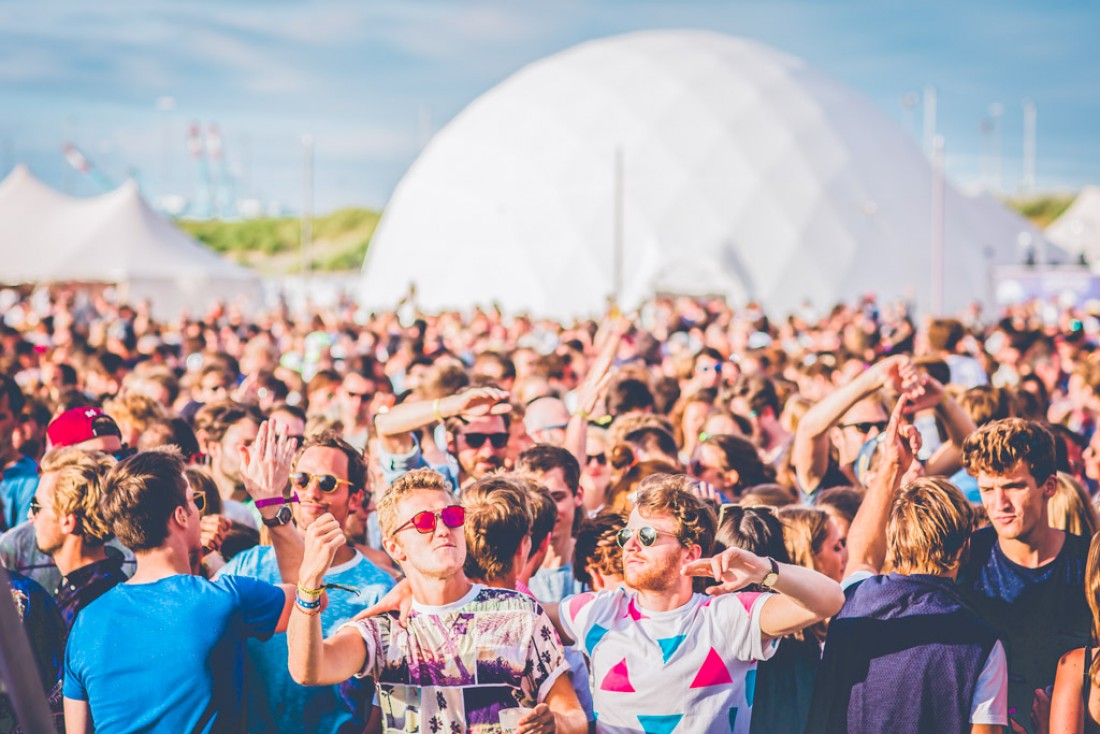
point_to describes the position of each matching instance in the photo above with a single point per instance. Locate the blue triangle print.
(669, 645)
(733, 718)
(659, 724)
(750, 686)
(593, 638)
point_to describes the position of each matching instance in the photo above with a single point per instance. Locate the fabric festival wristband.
(306, 604)
(276, 501)
(323, 587)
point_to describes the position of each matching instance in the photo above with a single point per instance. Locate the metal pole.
(929, 120)
(996, 112)
(938, 233)
(17, 666)
(617, 232)
(1029, 146)
(307, 204)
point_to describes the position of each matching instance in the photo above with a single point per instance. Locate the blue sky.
(371, 79)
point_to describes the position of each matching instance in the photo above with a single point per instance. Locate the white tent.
(744, 172)
(1078, 229)
(116, 238)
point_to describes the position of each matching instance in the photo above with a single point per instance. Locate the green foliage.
(271, 244)
(1042, 210)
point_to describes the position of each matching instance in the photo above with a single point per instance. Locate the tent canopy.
(47, 237)
(1078, 229)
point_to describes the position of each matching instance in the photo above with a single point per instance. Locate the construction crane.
(76, 158)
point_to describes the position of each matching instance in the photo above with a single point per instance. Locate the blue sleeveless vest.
(903, 655)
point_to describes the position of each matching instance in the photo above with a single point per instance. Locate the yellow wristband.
(311, 592)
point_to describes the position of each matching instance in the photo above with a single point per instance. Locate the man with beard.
(644, 676)
(474, 429)
(328, 478)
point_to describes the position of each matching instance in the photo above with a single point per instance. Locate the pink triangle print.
(633, 612)
(713, 673)
(579, 602)
(618, 679)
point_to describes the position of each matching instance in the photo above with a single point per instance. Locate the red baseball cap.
(79, 425)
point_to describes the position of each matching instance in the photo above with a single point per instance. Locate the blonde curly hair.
(79, 489)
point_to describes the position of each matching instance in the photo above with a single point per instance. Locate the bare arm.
(948, 458)
(1067, 710)
(313, 660)
(867, 535)
(396, 425)
(804, 596)
(594, 386)
(562, 705)
(810, 450)
(78, 717)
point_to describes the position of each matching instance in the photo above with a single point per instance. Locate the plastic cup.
(509, 718)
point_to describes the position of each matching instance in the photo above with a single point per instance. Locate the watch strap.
(772, 576)
(282, 517)
(271, 501)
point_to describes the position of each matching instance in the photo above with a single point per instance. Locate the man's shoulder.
(490, 597)
(257, 562)
(25, 469)
(1076, 546)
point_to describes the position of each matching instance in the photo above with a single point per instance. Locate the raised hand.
(265, 465)
(922, 390)
(323, 538)
(213, 529)
(901, 441)
(733, 568)
(479, 402)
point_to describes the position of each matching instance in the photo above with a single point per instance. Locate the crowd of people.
(692, 517)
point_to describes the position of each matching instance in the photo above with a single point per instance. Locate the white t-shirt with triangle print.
(692, 669)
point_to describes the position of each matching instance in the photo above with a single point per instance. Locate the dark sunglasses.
(326, 482)
(600, 459)
(697, 468)
(477, 440)
(647, 536)
(866, 426)
(425, 522)
(730, 508)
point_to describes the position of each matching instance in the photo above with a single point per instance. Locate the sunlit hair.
(417, 480)
(1070, 509)
(622, 493)
(498, 518)
(134, 412)
(544, 513)
(930, 523)
(1092, 593)
(78, 489)
(805, 530)
(357, 465)
(141, 493)
(667, 494)
(597, 548)
(997, 447)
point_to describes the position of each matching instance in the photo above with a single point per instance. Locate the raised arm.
(927, 392)
(867, 535)
(804, 596)
(810, 450)
(592, 389)
(313, 660)
(265, 469)
(397, 424)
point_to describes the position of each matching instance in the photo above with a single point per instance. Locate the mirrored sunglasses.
(647, 536)
(453, 516)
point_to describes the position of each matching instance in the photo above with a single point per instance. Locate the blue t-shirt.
(273, 701)
(169, 655)
(17, 488)
(551, 585)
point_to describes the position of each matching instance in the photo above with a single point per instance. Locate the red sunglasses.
(453, 516)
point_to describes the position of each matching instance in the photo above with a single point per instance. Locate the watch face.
(284, 514)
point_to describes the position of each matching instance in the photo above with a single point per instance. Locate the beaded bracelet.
(307, 612)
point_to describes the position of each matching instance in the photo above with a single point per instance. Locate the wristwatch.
(769, 579)
(282, 517)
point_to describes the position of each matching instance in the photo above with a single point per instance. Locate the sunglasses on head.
(647, 536)
(325, 482)
(453, 516)
(477, 440)
(866, 426)
(732, 507)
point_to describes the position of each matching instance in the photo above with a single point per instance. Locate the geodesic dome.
(744, 172)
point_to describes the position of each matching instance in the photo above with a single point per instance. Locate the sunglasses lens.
(475, 440)
(299, 480)
(200, 502)
(647, 536)
(622, 537)
(499, 440)
(453, 516)
(327, 482)
(424, 522)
